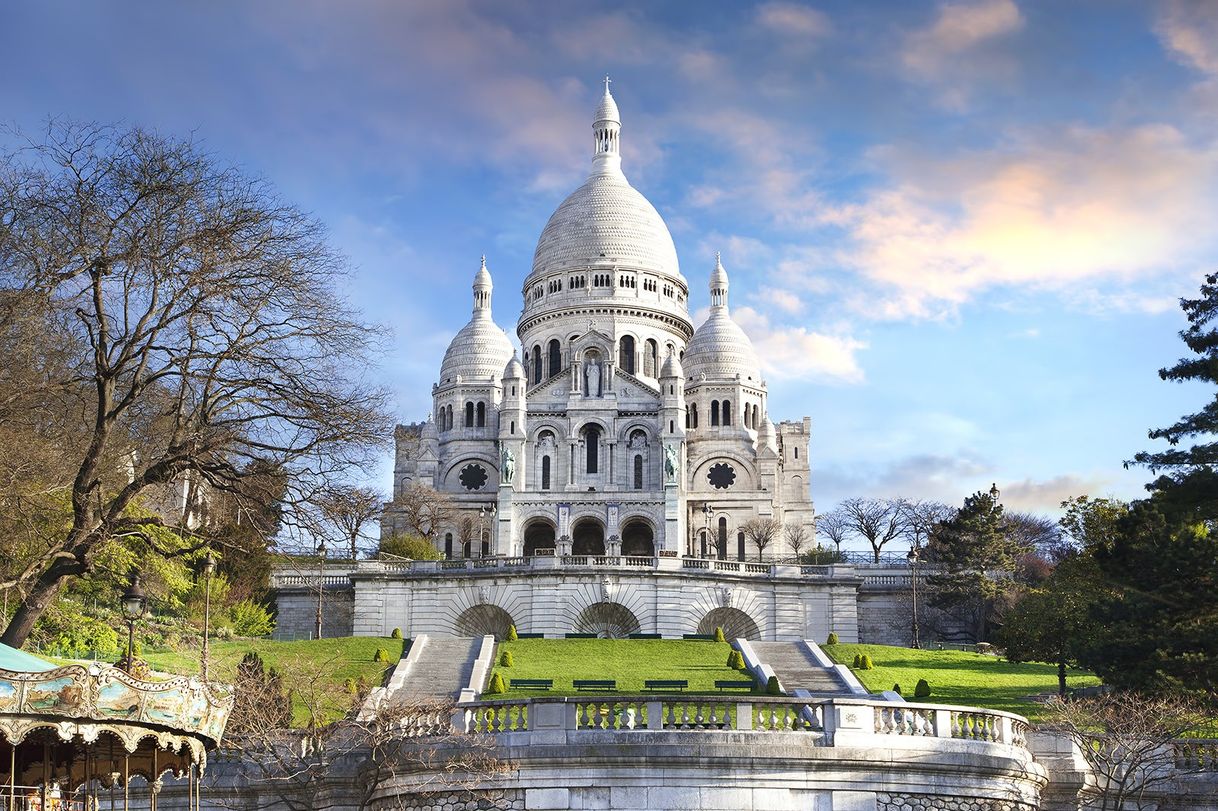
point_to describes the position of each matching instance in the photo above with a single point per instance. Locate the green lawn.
(959, 677)
(629, 661)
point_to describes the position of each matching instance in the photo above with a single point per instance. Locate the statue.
(509, 465)
(670, 463)
(592, 376)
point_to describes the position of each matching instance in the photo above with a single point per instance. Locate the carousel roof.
(15, 659)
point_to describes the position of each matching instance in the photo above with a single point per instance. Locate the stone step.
(443, 668)
(796, 668)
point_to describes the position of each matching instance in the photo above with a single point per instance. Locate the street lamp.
(484, 512)
(914, 552)
(135, 606)
(994, 492)
(708, 513)
(209, 568)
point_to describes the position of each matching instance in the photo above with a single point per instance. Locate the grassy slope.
(629, 661)
(959, 677)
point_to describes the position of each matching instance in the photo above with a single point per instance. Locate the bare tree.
(878, 521)
(347, 510)
(833, 526)
(922, 518)
(797, 538)
(423, 510)
(762, 532)
(207, 333)
(1132, 744)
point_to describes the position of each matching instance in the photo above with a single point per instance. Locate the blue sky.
(956, 231)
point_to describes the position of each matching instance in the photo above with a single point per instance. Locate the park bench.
(665, 684)
(646, 636)
(594, 684)
(532, 684)
(728, 684)
(580, 636)
(530, 636)
(701, 637)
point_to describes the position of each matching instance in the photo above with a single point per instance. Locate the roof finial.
(484, 261)
(607, 81)
(717, 260)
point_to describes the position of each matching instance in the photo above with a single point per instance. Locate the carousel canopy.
(19, 660)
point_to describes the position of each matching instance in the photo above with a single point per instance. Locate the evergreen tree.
(976, 556)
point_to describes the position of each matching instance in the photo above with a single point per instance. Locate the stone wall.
(931, 802)
(297, 612)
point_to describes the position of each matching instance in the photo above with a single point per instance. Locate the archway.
(607, 620)
(637, 539)
(588, 537)
(734, 622)
(538, 534)
(480, 620)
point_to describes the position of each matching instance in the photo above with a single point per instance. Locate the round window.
(473, 477)
(721, 476)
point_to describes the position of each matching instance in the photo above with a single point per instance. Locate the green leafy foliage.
(415, 547)
(381, 655)
(67, 631)
(496, 687)
(832, 640)
(866, 662)
(512, 636)
(505, 659)
(248, 618)
(772, 687)
(397, 634)
(735, 660)
(719, 637)
(922, 689)
(896, 688)
(858, 661)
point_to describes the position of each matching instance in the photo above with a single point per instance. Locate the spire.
(606, 128)
(718, 284)
(482, 291)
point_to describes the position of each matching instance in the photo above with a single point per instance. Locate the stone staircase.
(442, 669)
(797, 669)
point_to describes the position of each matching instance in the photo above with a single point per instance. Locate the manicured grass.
(959, 677)
(628, 661)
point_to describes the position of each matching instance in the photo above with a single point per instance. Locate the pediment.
(557, 387)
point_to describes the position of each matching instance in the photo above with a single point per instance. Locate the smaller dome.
(514, 369)
(672, 366)
(480, 350)
(720, 349)
(766, 435)
(607, 110)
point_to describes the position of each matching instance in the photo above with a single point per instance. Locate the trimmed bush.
(867, 663)
(397, 634)
(858, 661)
(250, 619)
(832, 640)
(496, 687)
(735, 660)
(719, 637)
(351, 686)
(381, 655)
(896, 688)
(512, 636)
(505, 659)
(922, 690)
(772, 688)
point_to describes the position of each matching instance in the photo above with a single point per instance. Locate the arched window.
(592, 439)
(448, 546)
(695, 413)
(626, 354)
(555, 357)
(739, 546)
(651, 353)
(469, 415)
(450, 418)
(714, 412)
(722, 551)
(536, 365)
(480, 420)
(727, 413)
(545, 473)
(638, 471)
(689, 418)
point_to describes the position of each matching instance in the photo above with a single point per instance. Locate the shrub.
(414, 547)
(496, 686)
(858, 661)
(922, 690)
(351, 686)
(867, 663)
(250, 619)
(512, 636)
(381, 655)
(735, 660)
(719, 637)
(505, 660)
(67, 631)
(397, 634)
(832, 640)
(772, 688)
(896, 688)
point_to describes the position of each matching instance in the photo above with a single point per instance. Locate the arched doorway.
(637, 539)
(538, 534)
(735, 624)
(480, 620)
(588, 537)
(607, 620)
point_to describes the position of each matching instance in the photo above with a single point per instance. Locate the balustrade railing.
(1197, 754)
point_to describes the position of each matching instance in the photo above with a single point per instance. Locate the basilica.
(616, 429)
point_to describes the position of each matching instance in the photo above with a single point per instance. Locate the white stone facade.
(619, 429)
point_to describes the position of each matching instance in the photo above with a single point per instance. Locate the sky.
(957, 232)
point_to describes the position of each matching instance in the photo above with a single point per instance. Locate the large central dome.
(606, 221)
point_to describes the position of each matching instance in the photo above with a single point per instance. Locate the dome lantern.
(607, 127)
(480, 350)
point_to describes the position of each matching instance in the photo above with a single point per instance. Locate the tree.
(976, 558)
(922, 518)
(876, 520)
(1129, 742)
(347, 510)
(833, 526)
(797, 538)
(204, 336)
(1193, 472)
(423, 510)
(762, 532)
(1092, 523)
(414, 547)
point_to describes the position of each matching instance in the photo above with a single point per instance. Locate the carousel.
(91, 737)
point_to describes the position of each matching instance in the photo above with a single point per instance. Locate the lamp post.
(321, 587)
(209, 568)
(914, 552)
(134, 605)
(484, 512)
(708, 513)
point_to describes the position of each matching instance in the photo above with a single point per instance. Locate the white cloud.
(790, 19)
(1189, 30)
(1047, 495)
(957, 49)
(798, 353)
(780, 299)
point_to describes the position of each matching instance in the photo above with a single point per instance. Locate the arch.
(638, 538)
(545, 472)
(538, 534)
(638, 471)
(722, 544)
(694, 412)
(480, 419)
(588, 537)
(469, 414)
(480, 620)
(555, 356)
(714, 412)
(448, 546)
(536, 364)
(735, 624)
(450, 417)
(740, 551)
(592, 442)
(651, 357)
(727, 412)
(607, 620)
(626, 353)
